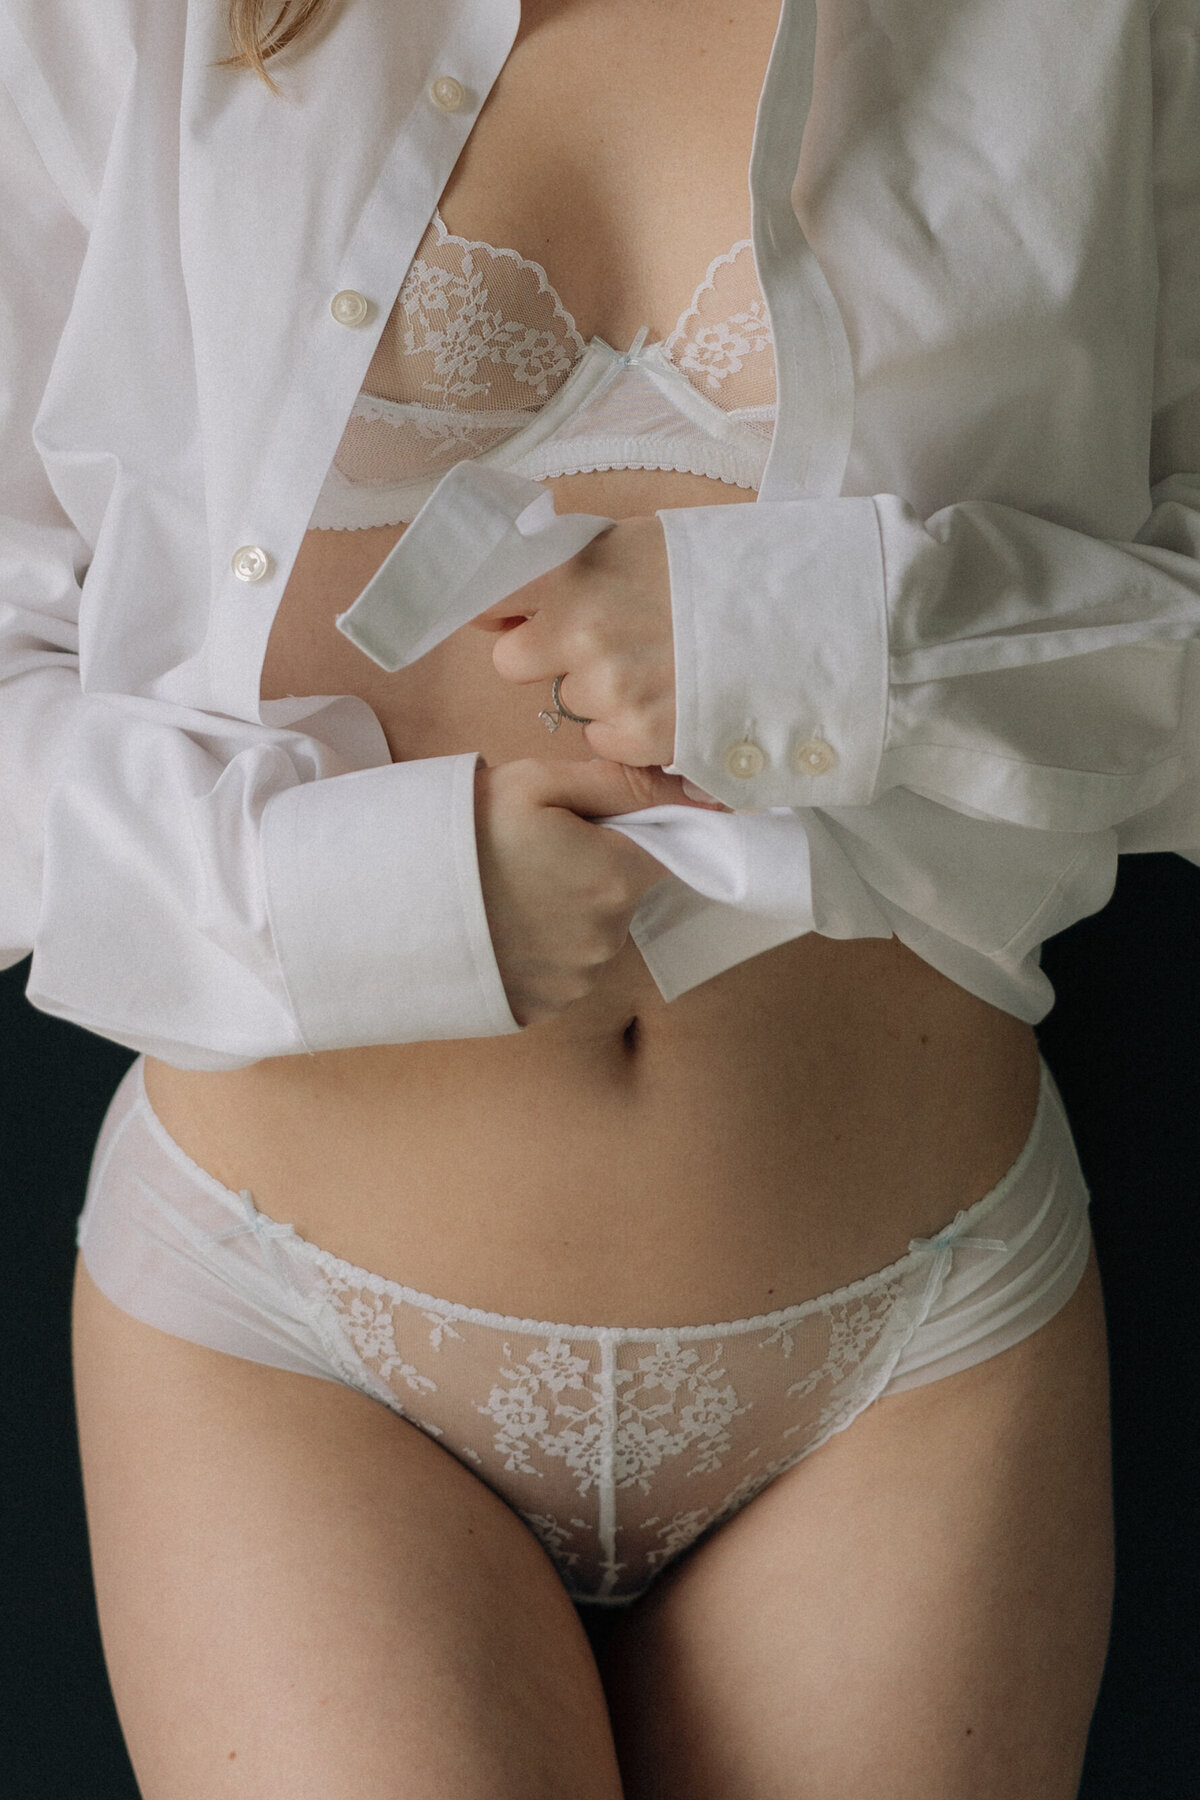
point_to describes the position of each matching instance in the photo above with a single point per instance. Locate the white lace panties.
(619, 1448)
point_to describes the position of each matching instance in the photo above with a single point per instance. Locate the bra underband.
(480, 360)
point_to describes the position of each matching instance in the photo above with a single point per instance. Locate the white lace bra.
(480, 359)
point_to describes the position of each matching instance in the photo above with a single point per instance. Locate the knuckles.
(609, 899)
(645, 784)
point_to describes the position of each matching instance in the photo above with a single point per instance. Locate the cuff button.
(815, 757)
(745, 761)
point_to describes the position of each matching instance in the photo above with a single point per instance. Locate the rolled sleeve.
(376, 908)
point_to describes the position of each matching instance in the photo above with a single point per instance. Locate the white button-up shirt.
(944, 668)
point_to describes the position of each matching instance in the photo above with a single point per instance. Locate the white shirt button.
(745, 761)
(447, 93)
(349, 307)
(814, 756)
(251, 562)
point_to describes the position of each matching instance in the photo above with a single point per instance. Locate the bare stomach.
(768, 1136)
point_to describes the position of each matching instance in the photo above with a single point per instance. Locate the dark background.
(1123, 1045)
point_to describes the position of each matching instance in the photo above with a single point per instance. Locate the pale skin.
(604, 618)
(301, 1594)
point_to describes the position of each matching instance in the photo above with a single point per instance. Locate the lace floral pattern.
(640, 1441)
(618, 1448)
(453, 322)
(474, 328)
(718, 351)
(479, 343)
(723, 342)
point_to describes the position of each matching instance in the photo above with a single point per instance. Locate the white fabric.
(973, 569)
(617, 1444)
(479, 537)
(480, 358)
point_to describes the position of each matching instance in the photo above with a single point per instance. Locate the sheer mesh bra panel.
(479, 350)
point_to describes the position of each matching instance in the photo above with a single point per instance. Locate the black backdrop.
(1123, 1045)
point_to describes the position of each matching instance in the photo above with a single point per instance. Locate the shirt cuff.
(781, 650)
(376, 908)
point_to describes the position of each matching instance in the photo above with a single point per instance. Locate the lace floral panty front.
(619, 1448)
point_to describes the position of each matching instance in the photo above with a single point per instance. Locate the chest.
(614, 149)
(613, 153)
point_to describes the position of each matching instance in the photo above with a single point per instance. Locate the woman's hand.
(559, 892)
(603, 622)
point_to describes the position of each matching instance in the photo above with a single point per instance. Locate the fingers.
(497, 619)
(701, 798)
(557, 584)
(535, 648)
(559, 891)
(568, 630)
(602, 789)
(521, 608)
(644, 739)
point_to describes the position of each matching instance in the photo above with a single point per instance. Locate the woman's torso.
(768, 1135)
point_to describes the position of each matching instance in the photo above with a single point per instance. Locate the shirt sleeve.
(209, 890)
(829, 650)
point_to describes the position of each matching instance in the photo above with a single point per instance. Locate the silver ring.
(556, 697)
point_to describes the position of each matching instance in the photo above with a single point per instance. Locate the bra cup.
(723, 341)
(475, 328)
(480, 358)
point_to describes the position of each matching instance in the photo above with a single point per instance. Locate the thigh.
(919, 1610)
(302, 1595)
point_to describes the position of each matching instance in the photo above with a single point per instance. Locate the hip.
(785, 1127)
